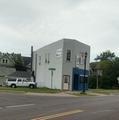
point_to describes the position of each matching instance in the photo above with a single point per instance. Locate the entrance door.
(76, 82)
(66, 82)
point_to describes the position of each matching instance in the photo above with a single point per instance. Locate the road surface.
(35, 107)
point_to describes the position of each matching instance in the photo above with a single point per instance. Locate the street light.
(84, 79)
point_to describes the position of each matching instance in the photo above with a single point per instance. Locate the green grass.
(91, 92)
(96, 92)
(25, 90)
(104, 91)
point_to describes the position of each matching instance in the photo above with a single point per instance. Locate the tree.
(18, 61)
(109, 65)
(107, 55)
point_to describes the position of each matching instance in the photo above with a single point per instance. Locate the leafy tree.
(107, 55)
(18, 61)
(109, 64)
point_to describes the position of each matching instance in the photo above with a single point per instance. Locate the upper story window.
(3, 61)
(6, 61)
(81, 58)
(68, 57)
(47, 58)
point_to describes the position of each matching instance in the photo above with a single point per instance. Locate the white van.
(20, 82)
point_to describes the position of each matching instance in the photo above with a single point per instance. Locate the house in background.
(7, 65)
(26, 75)
(6, 59)
(60, 65)
(95, 69)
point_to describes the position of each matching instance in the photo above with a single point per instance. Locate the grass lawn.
(90, 92)
(25, 90)
(96, 92)
(105, 91)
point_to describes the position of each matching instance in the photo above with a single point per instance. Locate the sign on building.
(59, 52)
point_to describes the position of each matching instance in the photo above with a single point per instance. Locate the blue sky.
(39, 22)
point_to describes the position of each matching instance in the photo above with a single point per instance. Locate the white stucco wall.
(43, 74)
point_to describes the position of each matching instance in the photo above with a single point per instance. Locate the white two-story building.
(60, 65)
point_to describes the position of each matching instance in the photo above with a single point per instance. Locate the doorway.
(66, 82)
(76, 82)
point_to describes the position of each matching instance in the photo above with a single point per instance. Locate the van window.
(25, 80)
(10, 80)
(19, 80)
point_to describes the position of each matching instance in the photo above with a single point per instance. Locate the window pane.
(68, 55)
(19, 80)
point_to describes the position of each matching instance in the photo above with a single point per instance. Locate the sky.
(40, 22)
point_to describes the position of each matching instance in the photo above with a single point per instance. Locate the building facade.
(60, 65)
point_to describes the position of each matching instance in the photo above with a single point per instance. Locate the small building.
(60, 65)
(6, 60)
(6, 66)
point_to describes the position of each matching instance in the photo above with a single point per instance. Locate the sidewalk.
(88, 93)
(66, 94)
(62, 94)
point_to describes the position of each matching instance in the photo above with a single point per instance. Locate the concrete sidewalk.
(62, 94)
(66, 94)
(88, 93)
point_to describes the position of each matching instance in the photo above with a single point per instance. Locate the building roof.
(8, 56)
(23, 74)
(5, 71)
(62, 40)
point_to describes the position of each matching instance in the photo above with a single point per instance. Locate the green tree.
(107, 55)
(109, 65)
(18, 61)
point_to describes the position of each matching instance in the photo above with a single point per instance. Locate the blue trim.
(76, 80)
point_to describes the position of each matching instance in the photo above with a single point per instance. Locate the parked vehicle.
(20, 82)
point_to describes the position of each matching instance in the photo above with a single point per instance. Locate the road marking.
(58, 115)
(24, 105)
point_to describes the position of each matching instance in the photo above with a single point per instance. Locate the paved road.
(28, 107)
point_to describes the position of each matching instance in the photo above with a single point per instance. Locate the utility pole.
(84, 72)
(31, 57)
(97, 79)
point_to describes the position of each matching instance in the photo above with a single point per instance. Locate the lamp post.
(84, 80)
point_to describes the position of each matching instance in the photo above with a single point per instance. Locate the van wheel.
(31, 86)
(13, 86)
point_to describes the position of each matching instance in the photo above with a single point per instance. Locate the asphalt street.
(35, 107)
